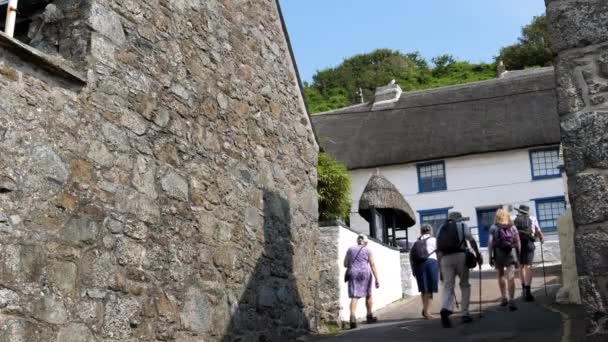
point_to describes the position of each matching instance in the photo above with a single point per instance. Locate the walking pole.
(542, 258)
(480, 291)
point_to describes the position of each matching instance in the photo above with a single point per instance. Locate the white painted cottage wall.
(473, 182)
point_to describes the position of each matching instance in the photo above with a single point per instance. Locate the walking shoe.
(353, 322)
(504, 302)
(445, 318)
(371, 319)
(528, 297)
(512, 306)
(466, 319)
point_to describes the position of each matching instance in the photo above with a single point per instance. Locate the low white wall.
(409, 286)
(550, 254)
(388, 265)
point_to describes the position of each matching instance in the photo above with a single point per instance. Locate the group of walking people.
(450, 254)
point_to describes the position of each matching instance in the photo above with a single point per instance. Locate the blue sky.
(324, 32)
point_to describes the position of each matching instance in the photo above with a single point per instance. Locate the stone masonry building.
(157, 174)
(579, 36)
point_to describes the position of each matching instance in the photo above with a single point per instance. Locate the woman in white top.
(425, 267)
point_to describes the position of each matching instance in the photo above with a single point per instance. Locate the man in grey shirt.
(451, 246)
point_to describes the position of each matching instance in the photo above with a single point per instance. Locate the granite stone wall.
(579, 36)
(329, 268)
(168, 193)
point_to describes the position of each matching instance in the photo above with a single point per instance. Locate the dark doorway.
(485, 220)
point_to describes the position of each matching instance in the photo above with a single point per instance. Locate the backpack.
(524, 227)
(505, 239)
(419, 253)
(448, 240)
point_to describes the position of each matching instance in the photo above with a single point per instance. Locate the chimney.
(501, 70)
(386, 95)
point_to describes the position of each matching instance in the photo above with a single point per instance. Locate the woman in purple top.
(360, 261)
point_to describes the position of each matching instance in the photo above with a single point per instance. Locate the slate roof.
(512, 112)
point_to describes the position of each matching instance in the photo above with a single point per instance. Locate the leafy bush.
(333, 189)
(339, 86)
(532, 49)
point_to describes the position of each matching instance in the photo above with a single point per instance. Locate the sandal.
(427, 316)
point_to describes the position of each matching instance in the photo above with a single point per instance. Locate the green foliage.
(442, 64)
(336, 98)
(531, 50)
(333, 189)
(339, 87)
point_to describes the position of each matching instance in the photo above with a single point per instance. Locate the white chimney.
(501, 70)
(386, 95)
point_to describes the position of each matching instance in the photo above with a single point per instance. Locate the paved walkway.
(534, 322)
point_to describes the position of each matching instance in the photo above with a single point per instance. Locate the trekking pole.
(480, 291)
(542, 258)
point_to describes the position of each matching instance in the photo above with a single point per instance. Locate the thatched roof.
(381, 194)
(516, 111)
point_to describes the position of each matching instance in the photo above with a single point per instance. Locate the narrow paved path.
(401, 321)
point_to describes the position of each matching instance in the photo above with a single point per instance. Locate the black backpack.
(524, 227)
(419, 253)
(448, 241)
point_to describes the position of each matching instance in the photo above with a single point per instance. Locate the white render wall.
(473, 182)
(388, 266)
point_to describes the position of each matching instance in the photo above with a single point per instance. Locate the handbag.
(470, 258)
(347, 274)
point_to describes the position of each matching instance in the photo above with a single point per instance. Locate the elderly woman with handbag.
(359, 263)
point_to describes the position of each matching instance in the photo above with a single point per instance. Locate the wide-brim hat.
(454, 215)
(523, 209)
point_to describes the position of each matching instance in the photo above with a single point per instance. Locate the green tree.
(532, 48)
(442, 64)
(339, 86)
(333, 188)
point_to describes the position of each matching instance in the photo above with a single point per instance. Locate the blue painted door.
(485, 219)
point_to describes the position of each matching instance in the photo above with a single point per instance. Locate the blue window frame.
(548, 210)
(431, 177)
(544, 163)
(434, 217)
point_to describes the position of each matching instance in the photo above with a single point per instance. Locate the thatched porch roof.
(382, 195)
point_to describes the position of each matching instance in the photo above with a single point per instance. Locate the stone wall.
(329, 268)
(569, 292)
(173, 195)
(579, 36)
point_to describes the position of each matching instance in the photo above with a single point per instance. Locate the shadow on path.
(270, 308)
(532, 322)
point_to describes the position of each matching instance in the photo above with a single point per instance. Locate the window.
(27, 11)
(548, 210)
(545, 163)
(435, 217)
(431, 177)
